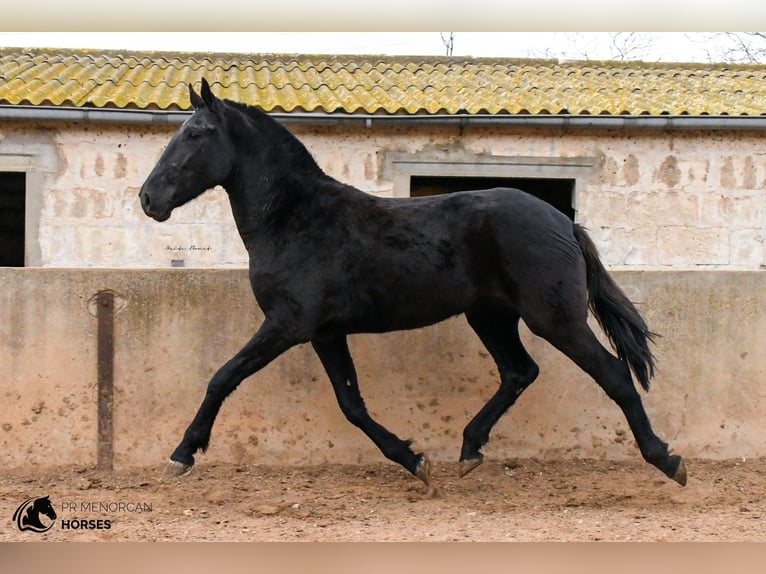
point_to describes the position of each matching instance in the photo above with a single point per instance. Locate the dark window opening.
(12, 213)
(557, 192)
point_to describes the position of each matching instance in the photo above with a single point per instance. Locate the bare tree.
(603, 46)
(448, 41)
(737, 47)
(630, 45)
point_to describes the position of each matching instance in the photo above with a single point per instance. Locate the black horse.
(327, 260)
(27, 516)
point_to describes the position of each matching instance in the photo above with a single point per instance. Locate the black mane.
(278, 137)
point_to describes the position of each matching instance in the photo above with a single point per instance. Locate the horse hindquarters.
(555, 306)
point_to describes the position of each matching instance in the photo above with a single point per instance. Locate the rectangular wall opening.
(557, 192)
(12, 218)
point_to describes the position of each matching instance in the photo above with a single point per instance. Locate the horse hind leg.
(498, 329)
(580, 344)
(336, 359)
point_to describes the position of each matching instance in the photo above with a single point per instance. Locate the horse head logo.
(27, 516)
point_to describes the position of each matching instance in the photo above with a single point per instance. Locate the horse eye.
(196, 132)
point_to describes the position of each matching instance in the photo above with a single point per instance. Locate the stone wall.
(652, 199)
(174, 327)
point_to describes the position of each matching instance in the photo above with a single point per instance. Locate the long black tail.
(618, 317)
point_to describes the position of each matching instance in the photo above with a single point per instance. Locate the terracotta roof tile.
(379, 84)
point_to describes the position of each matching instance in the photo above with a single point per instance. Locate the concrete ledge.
(173, 328)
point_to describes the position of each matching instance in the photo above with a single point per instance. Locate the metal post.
(105, 315)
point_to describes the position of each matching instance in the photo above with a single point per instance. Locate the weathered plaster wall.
(653, 199)
(174, 328)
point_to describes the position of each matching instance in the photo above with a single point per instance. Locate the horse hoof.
(467, 465)
(680, 475)
(423, 470)
(176, 469)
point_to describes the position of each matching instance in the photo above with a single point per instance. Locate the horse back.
(383, 264)
(422, 260)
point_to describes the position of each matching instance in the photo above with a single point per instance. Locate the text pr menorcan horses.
(327, 260)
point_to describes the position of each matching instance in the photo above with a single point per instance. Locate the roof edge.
(164, 117)
(367, 57)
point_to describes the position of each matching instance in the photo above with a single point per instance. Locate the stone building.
(665, 163)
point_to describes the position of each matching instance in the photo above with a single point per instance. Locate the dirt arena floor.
(507, 500)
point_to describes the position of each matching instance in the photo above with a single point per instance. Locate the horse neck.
(274, 175)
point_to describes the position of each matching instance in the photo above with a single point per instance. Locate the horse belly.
(395, 301)
(420, 309)
(382, 318)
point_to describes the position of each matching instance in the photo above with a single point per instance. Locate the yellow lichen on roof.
(379, 84)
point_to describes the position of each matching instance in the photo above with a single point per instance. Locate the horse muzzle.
(152, 208)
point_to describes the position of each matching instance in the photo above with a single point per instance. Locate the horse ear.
(207, 94)
(196, 100)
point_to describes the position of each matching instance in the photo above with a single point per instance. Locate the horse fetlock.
(194, 440)
(183, 455)
(471, 448)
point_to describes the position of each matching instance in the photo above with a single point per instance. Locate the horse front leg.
(265, 346)
(336, 359)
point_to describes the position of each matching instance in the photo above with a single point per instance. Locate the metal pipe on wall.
(165, 117)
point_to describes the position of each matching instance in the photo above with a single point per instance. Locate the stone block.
(748, 248)
(692, 246)
(668, 208)
(733, 209)
(627, 247)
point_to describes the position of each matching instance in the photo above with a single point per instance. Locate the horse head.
(198, 157)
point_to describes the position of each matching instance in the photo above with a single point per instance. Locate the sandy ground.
(510, 500)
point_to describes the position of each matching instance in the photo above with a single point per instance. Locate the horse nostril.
(145, 201)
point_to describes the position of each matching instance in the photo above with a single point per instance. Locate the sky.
(651, 46)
